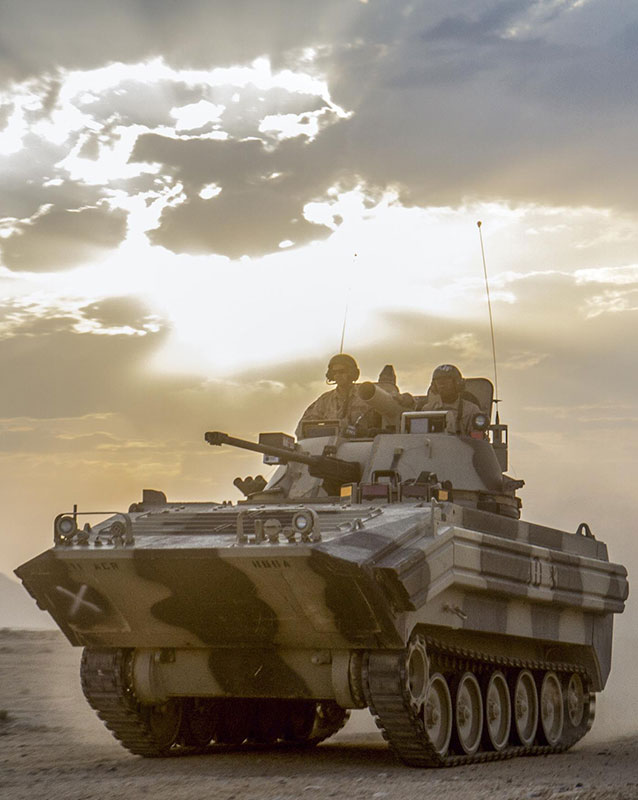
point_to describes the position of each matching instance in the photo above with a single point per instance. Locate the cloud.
(460, 106)
(65, 373)
(61, 238)
(123, 30)
(120, 313)
(104, 135)
(249, 222)
(507, 114)
(34, 317)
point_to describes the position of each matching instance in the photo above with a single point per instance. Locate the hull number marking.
(270, 563)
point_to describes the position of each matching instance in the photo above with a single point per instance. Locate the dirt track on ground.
(52, 745)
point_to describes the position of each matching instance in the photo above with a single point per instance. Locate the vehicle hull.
(469, 578)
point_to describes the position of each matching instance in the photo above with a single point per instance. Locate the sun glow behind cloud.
(95, 119)
(224, 313)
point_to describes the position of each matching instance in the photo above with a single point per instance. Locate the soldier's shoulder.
(471, 404)
(325, 395)
(323, 398)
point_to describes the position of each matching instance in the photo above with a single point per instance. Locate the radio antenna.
(496, 400)
(345, 313)
(343, 329)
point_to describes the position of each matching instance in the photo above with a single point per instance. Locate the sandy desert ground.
(52, 745)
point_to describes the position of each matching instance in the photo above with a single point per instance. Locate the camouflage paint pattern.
(267, 615)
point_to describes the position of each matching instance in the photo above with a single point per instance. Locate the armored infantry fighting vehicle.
(384, 567)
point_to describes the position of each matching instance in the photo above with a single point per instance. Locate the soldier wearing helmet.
(343, 403)
(447, 393)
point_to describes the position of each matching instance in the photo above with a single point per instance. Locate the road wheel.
(437, 713)
(163, 722)
(198, 722)
(551, 709)
(525, 708)
(468, 714)
(498, 712)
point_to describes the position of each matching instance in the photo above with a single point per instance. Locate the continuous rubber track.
(107, 686)
(385, 686)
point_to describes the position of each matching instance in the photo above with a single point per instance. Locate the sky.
(195, 196)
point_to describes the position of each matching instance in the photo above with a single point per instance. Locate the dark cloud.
(462, 106)
(186, 34)
(198, 162)
(487, 23)
(250, 222)
(115, 312)
(63, 238)
(252, 215)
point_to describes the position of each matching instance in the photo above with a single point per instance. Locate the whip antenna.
(343, 329)
(345, 313)
(489, 308)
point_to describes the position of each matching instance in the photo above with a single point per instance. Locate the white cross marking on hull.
(78, 600)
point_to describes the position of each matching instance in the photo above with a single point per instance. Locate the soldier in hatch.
(343, 403)
(447, 393)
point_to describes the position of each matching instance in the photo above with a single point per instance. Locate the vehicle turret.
(403, 454)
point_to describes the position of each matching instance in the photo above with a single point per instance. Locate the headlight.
(302, 522)
(306, 524)
(117, 529)
(481, 422)
(65, 527)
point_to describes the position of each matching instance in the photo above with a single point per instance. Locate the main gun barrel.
(219, 438)
(335, 470)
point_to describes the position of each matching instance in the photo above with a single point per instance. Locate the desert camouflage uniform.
(463, 410)
(348, 408)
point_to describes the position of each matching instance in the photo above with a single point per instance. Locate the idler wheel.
(468, 714)
(417, 667)
(525, 708)
(551, 709)
(498, 712)
(163, 722)
(437, 713)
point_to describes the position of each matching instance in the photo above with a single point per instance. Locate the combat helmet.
(342, 360)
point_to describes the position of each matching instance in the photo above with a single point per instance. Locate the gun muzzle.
(383, 402)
